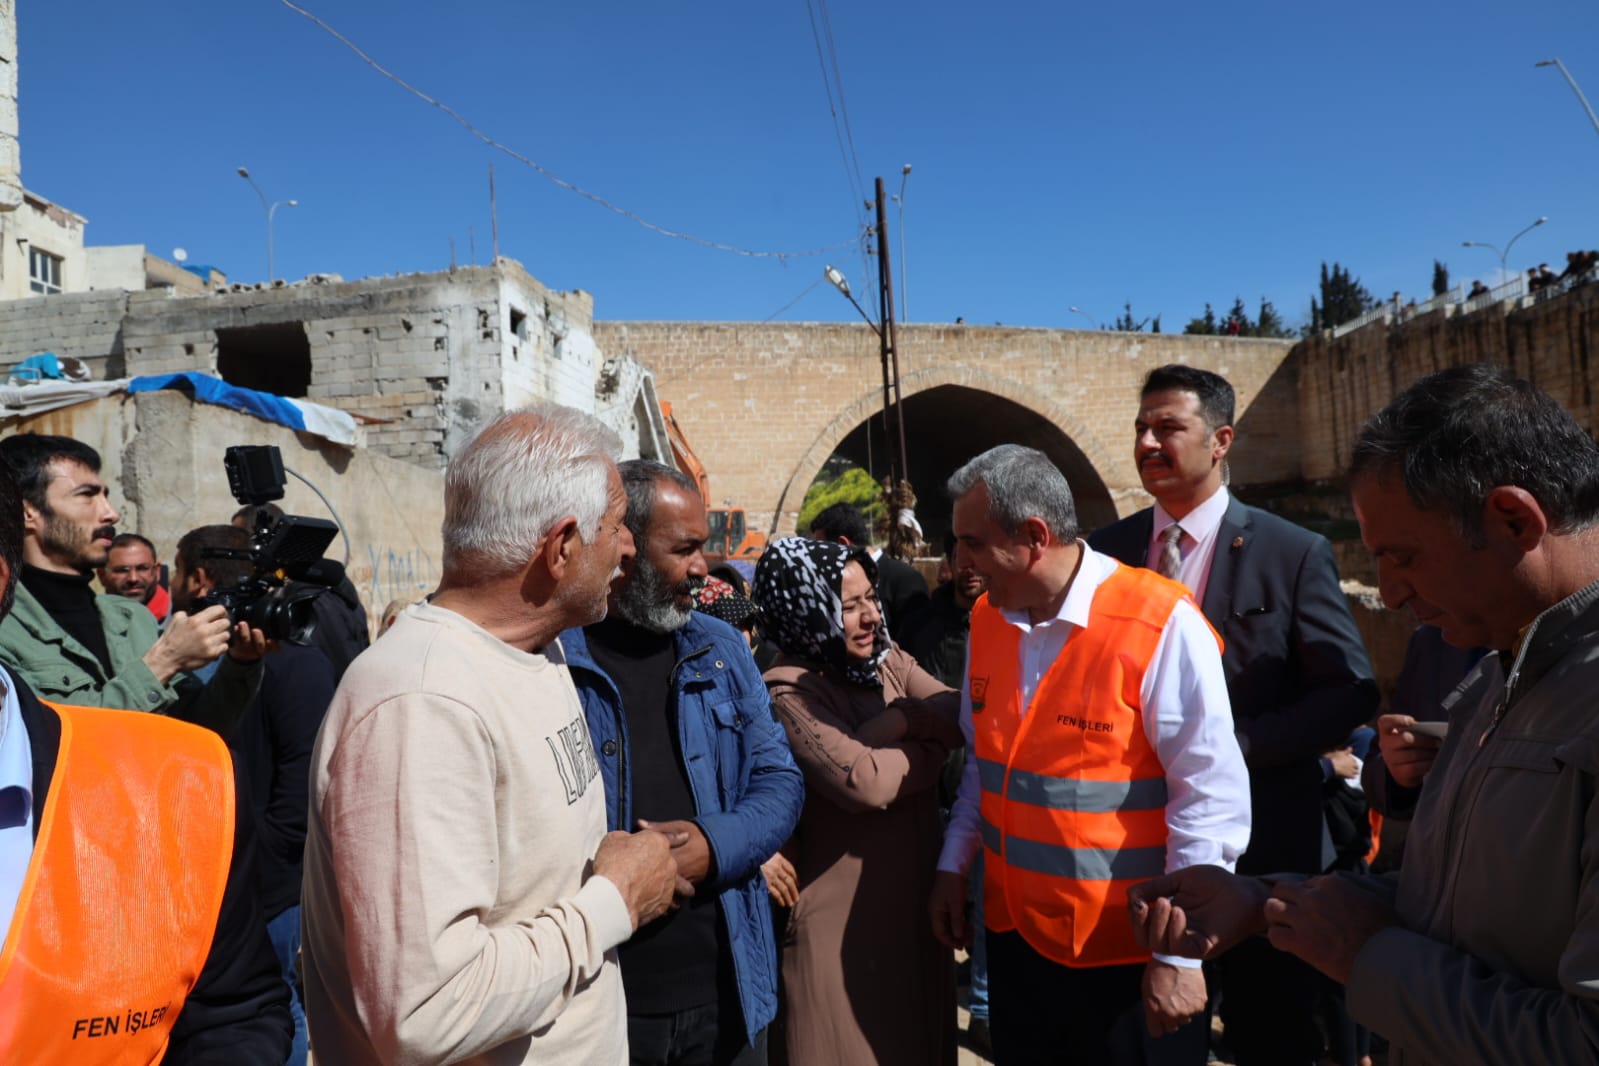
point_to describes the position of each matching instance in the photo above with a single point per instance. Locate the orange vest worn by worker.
(1073, 794)
(120, 901)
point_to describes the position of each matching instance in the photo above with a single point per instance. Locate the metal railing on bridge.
(1516, 288)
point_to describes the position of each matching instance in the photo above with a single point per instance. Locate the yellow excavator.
(731, 537)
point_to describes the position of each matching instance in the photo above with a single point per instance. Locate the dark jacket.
(341, 626)
(747, 790)
(1297, 672)
(238, 1012)
(272, 744)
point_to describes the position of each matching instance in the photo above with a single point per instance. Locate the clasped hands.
(1201, 911)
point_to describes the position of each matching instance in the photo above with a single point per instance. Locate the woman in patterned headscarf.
(864, 981)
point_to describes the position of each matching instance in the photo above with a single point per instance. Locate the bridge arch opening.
(947, 425)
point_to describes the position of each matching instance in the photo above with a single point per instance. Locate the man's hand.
(640, 866)
(247, 644)
(781, 881)
(1344, 762)
(1173, 996)
(690, 850)
(947, 908)
(189, 642)
(1325, 921)
(1198, 911)
(1408, 756)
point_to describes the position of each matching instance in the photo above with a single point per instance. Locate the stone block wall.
(1345, 380)
(84, 325)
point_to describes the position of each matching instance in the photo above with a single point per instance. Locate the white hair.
(524, 472)
(1022, 483)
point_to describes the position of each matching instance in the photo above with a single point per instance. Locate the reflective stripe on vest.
(120, 902)
(1073, 795)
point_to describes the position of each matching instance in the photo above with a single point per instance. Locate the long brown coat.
(864, 982)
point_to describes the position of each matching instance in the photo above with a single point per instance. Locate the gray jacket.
(1497, 959)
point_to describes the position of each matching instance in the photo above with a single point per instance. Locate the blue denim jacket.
(746, 788)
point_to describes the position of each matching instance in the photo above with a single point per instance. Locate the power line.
(838, 81)
(852, 176)
(833, 82)
(795, 300)
(525, 161)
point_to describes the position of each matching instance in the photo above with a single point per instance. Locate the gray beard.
(645, 600)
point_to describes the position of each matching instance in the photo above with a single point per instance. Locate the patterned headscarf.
(720, 600)
(797, 586)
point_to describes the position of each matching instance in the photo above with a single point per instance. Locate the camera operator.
(75, 647)
(272, 742)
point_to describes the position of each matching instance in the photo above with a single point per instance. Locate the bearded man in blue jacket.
(686, 742)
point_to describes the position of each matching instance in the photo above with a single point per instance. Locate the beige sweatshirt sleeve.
(419, 869)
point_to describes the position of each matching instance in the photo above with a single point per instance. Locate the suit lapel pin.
(1238, 542)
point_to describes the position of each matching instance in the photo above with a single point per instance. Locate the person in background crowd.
(128, 901)
(900, 588)
(462, 899)
(1100, 751)
(939, 643)
(863, 979)
(1424, 692)
(79, 648)
(132, 570)
(1479, 497)
(1298, 679)
(272, 741)
(687, 745)
(939, 647)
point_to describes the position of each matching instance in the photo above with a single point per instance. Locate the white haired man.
(462, 899)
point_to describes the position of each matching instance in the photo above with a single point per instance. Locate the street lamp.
(1573, 83)
(1079, 311)
(841, 283)
(270, 209)
(1504, 256)
(904, 296)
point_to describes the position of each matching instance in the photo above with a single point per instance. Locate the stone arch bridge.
(765, 406)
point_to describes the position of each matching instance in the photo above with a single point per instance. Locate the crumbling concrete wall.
(162, 458)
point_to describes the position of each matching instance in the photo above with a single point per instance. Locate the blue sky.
(1064, 155)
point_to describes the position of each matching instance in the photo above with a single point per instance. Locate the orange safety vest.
(120, 901)
(1073, 794)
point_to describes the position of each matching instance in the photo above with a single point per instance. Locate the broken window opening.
(273, 358)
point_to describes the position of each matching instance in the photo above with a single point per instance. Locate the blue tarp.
(312, 418)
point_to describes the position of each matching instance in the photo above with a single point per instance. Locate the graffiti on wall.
(406, 575)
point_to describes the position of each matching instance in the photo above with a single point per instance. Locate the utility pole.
(888, 339)
(890, 336)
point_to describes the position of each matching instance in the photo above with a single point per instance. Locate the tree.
(1204, 325)
(1440, 278)
(1126, 323)
(1343, 297)
(1238, 324)
(854, 485)
(1271, 324)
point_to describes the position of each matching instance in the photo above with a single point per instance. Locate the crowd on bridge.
(595, 801)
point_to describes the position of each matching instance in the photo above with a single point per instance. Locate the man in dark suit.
(1296, 671)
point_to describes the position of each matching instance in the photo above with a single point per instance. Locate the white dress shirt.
(16, 802)
(1186, 717)
(1198, 542)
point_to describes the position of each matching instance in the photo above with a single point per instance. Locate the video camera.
(285, 554)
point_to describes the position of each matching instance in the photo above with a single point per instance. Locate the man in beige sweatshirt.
(462, 899)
